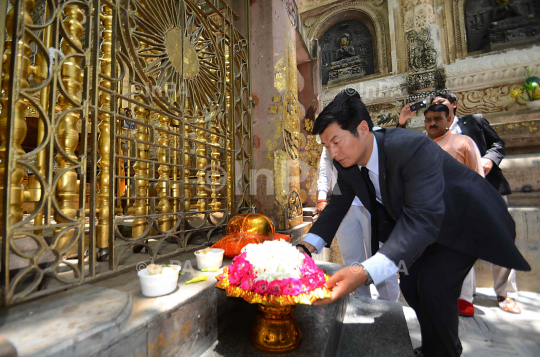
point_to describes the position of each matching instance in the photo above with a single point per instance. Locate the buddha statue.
(345, 51)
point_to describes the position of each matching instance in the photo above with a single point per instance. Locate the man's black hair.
(437, 108)
(450, 96)
(347, 109)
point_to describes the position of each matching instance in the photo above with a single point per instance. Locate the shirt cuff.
(380, 268)
(315, 241)
(323, 195)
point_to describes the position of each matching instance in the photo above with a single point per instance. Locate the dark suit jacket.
(433, 198)
(490, 145)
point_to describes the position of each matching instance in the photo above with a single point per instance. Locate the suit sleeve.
(328, 222)
(423, 209)
(495, 145)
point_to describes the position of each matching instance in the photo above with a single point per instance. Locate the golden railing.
(139, 144)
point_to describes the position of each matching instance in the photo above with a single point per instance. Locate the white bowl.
(210, 260)
(159, 284)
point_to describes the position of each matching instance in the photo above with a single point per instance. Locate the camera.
(418, 106)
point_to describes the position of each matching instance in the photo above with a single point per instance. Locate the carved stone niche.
(499, 24)
(347, 52)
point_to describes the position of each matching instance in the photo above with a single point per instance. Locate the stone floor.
(493, 332)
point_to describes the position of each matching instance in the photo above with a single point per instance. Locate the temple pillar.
(276, 121)
(310, 150)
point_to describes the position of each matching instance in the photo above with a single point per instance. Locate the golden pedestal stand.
(275, 329)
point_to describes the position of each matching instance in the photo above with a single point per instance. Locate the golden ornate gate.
(139, 115)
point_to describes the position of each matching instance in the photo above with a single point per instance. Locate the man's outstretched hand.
(343, 283)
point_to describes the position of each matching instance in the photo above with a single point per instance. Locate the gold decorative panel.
(143, 142)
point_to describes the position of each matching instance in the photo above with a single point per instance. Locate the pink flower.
(234, 279)
(261, 287)
(292, 287)
(275, 287)
(247, 282)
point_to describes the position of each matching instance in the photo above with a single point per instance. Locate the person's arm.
(495, 146)
(473, 159)
(330, 218)
(324, 180)
(405, 115)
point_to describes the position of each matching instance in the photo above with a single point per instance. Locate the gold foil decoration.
(164, 206)
(68, 135)
(18, 120)
(104, 144)
(214, 139)
(141, 172)
(187, 164)
(175, 186)
(201, 164)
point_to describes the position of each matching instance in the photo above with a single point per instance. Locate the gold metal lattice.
(140, 142)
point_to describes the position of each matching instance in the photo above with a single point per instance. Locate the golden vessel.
(275, 329)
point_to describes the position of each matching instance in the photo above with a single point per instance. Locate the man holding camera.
(492, 149)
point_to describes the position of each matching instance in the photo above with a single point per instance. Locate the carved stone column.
(424, 58)
(276, 122)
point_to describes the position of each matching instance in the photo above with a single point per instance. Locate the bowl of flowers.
(158, 279)
(274, 275)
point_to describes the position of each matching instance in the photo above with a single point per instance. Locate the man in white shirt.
(355, 226)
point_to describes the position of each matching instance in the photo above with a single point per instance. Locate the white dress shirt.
(378, 266)
(454, 128)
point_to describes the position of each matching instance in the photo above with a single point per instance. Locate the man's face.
(346, 148)
(451, 106)
(436, 124)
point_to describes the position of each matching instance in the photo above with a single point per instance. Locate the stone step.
(112, 319)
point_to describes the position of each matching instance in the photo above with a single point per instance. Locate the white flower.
(274, 260)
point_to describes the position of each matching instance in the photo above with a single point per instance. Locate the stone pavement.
(493, 332)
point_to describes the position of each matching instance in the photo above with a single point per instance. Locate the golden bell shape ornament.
(247, 228)
(251, 223)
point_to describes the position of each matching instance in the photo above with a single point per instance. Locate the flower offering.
(274, 272)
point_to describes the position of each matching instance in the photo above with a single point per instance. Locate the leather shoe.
(465, 308)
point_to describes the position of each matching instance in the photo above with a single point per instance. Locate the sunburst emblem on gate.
(176, 53)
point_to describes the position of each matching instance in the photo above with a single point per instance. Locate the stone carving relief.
(429, 79)
(490, 100)
(292, 11)
(492, 70)
(385, 114)
(409, 4)
(421, 54)
(419, 16)
(291, 125)
(310, 21)
(374, 91)
(331, 16)
(347, 52)
(491, 23)
(294, 204)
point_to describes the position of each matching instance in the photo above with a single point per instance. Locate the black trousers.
(432, 288)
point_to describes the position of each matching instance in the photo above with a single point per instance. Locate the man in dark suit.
(492, 149)
(434, 215)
